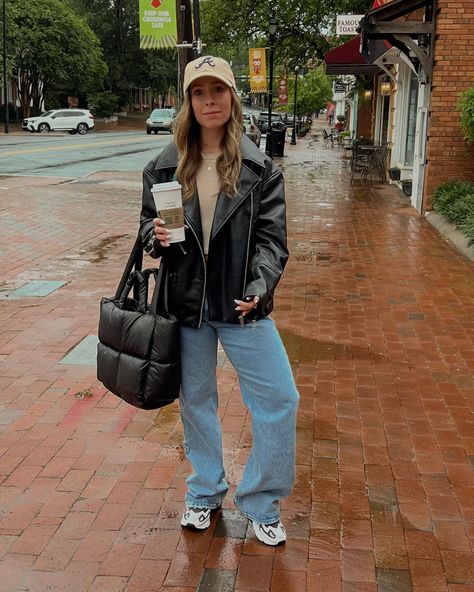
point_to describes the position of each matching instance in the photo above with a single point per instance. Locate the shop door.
(420, 146)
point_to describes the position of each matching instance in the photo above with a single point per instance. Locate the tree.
(304, 26)
(116, 24)
(50, 47)
(313, 91)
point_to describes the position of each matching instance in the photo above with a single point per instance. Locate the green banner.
(157, 24)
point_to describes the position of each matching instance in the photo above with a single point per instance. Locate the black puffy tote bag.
(138, 354)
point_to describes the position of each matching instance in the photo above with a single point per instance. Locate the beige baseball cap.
(208, 66)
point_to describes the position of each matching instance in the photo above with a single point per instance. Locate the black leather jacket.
(247, 246)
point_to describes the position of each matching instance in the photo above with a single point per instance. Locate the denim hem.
(259, 519)
(204, 504)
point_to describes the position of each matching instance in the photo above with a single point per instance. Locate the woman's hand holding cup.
(161, 234)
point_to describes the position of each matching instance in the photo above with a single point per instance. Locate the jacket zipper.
(248, 245)
(205, 270)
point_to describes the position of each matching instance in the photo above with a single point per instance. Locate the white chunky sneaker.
(270, 534)
(196, 518)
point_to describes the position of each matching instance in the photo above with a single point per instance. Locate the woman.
(221, 284)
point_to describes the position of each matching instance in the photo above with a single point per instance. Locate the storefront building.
(421, 50)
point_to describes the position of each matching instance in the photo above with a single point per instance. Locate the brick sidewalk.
(377, 314)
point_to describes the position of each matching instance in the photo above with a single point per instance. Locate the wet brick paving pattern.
(377, 314)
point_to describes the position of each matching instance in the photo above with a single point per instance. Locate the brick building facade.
(448, 155)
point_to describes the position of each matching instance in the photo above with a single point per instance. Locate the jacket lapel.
(225, 206)
(192, 216)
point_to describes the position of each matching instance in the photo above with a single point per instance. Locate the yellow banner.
(258, 70)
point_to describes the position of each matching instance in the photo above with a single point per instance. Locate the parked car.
(74, 121)
(251, 128)
(160, 119)
(262, 121)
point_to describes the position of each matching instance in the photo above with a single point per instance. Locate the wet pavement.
(377, 314)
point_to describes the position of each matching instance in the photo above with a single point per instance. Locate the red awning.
(347, 59)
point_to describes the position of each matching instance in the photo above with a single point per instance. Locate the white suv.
(74, 121)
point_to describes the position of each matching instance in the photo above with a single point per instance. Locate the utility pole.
(197, 45)
(5, 77)
(185, 36)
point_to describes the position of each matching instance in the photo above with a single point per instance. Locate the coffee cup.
(169, 207)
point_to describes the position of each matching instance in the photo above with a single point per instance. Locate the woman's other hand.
(246, 305)
(161, 234)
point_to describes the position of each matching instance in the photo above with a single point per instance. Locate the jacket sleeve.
(150, 244)
(270, 252)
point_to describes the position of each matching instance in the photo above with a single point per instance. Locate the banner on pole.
(258, 70)
(283, 92)
(157, 24)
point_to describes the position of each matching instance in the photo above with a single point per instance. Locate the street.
(63, 155)
(376, 312)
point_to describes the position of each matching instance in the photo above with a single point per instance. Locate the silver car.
(251, 128)
(160, 119)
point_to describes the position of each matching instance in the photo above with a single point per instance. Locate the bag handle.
(135, 260)
(139, 282)
(159, 300)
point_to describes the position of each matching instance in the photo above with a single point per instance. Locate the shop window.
(411, 121)
(385, 119)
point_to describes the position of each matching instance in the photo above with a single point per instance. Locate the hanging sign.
(346, 24)
(157, 24)
(283, 92)
(258, 70)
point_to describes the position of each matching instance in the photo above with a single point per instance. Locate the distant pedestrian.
(221, 281)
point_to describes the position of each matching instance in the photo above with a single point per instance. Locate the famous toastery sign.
(346, 24)
(157, 24)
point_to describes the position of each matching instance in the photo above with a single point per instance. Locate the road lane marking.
(73, 146)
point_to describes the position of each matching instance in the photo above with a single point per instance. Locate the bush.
(103, 103)
(468, 228)
(455, 201)
(466, 106)
(12, 112)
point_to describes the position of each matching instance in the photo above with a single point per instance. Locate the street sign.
(339, 87)
(346, 24)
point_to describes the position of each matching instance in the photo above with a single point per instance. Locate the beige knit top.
(207, 182)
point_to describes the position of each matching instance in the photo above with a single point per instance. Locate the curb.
(448, 230)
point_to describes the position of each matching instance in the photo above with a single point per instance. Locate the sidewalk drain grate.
(83, 354)
(217, 580)
(35, 288)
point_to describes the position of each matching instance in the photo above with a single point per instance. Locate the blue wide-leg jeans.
(269, 393)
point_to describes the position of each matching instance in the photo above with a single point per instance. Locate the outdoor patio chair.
(373, 161)
(356, 144)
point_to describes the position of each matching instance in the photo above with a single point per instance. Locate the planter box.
(394, 174)
(407, 187)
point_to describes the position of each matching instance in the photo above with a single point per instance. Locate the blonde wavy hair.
(187, 138)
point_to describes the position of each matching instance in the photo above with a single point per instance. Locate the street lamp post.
(272, 27)
(5, 77)
(293, 131)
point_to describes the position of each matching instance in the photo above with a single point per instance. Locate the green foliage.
(116, 24)
(467, 227)
(103, 103)
(302, 31)
(313, 91)
(455, 201)
(51, 47)
(466, 106)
